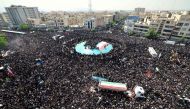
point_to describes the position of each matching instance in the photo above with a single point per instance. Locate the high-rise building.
(139, 10)
(20, 14)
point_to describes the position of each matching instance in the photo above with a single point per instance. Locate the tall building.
(20, 14)
(139, 10)
(5, 20)
(182, 27)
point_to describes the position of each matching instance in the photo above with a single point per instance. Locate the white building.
(99, 21)
(90, 23)
(19, 14)
(182, 27)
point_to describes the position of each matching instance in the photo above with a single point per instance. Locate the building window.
(179, 24)
(186, 24)
(184, 29)
(168, 26)
(167, 22)
(188, 34)
(181, 33)
(167, 30)
(188, 19)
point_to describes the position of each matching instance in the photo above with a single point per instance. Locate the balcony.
(165, 28)
(179, 25)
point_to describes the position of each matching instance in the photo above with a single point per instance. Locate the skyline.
(83, 5)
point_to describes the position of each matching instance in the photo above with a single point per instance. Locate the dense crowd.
(63, 79)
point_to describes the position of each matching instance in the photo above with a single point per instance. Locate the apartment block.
(165, 23)
(182, 27)
(6, 22)
(19, 14)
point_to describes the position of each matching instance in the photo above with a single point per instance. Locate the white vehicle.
(152, 52)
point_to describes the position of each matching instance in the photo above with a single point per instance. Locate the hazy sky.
(78, 5)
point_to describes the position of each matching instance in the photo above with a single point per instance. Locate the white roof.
(170, 42)
(18, 32)
(152, 51)
(139, 91)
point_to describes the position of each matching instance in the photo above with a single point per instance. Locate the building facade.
(19, 14)
(182, 27)
(56, 23)
(6, 22)
(139, 10)
(90, 23)
(33, 22)
(164, 23)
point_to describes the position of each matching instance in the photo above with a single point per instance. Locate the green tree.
(93, 30)
(24, 26)
(3, 40)
(151, 34)
(182, 39)
(130, 33)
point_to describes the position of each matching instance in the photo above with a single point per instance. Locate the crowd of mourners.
(50, 74)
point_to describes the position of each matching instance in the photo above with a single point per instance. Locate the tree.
(3, 40)
(24, 26)
(151, 34)
(182, 40)
(130, 33)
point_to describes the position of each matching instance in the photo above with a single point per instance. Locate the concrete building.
(19, 14)
(120, 15)
(90, 23)
(33, 22)
(129, 23)
(100, 21)
(165, 23)
(163, 26)
(70, 21)
(6, 22)
(167, 28)
(139, 10)
(182, 27)
(56, 23)
(107, 19)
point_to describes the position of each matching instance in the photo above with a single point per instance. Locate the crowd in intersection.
(63, 79)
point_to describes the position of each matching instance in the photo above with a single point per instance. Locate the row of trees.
(152, 34)
(24, 27)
